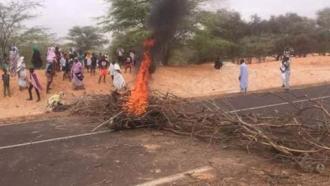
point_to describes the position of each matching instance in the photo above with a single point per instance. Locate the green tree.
(34, 37)
(86, 38)
(12, 15)
(128, 21)
(323, 35)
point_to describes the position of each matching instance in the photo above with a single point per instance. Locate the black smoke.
(164, 21)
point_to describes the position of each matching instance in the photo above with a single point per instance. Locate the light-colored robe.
(244, 77)
(118, 81)
(77, 68)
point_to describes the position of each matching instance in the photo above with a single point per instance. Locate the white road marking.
(53, 140)
(108, 131)
(278, 104)
(176, 177)
(25, 123)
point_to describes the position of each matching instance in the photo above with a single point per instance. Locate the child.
(34, 83)
(6, 79)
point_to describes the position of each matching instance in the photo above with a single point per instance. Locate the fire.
(138, 101)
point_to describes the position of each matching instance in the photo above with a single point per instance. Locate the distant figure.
(66, 67)
(128, 64)
(57, 66)
(51, 56)
(132, 55)
(120, 55)
(13, 57)
(6, 79)
(88, 60)
(77, 75)
(36, 58)
(244, 77)
(22, 79)
(218, 64)
(286, 72)
(103, 65)
(111, 70)
(34, 83)
(5, 62)
(94, 64)
(49, 75)
(118, 81)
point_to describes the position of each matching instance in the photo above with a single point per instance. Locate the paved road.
(122, 158)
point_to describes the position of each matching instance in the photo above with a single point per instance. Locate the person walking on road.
(244, 77)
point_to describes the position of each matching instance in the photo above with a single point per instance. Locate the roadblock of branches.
(287, 137)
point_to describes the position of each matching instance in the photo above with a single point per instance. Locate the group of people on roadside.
(71, 64)
(285, 70)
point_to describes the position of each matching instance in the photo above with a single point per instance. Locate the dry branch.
(289, 137)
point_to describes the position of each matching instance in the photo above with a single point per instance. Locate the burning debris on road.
(289, 138)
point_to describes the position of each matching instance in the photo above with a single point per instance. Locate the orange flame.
(138, 101)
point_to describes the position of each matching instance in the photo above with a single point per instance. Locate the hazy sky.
(60, 15)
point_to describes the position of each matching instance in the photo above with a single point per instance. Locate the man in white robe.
(119, 82)
(244, 77)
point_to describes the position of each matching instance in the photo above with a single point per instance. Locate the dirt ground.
(188, 81)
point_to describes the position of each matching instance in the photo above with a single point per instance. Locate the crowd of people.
(71, 64)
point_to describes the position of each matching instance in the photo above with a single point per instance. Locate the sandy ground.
(187, 81)
(203, 80)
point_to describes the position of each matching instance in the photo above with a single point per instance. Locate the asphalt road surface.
(65, 151)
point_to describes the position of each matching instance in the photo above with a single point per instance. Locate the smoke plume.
(165, 17)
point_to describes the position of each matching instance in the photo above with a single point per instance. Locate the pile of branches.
(287, 137)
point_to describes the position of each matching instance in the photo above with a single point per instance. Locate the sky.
(60, 15)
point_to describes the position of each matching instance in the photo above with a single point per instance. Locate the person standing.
(128, 64)
(111, 70)
(50, 67)
(34, 83)
(103, 69)
(133, 57)
(218, 63)
(286, 72)
(77, 75)
(6, 80)
(22, 83)
(13, 57)
(88, 60)
(66, 67)
(119, 82)
(120, 55)
(244, 77)
(36, 58)
(94, 64)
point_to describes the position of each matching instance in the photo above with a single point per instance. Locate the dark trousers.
(30, 92)
(6, 90)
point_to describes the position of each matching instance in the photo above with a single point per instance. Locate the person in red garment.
(103, 69)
